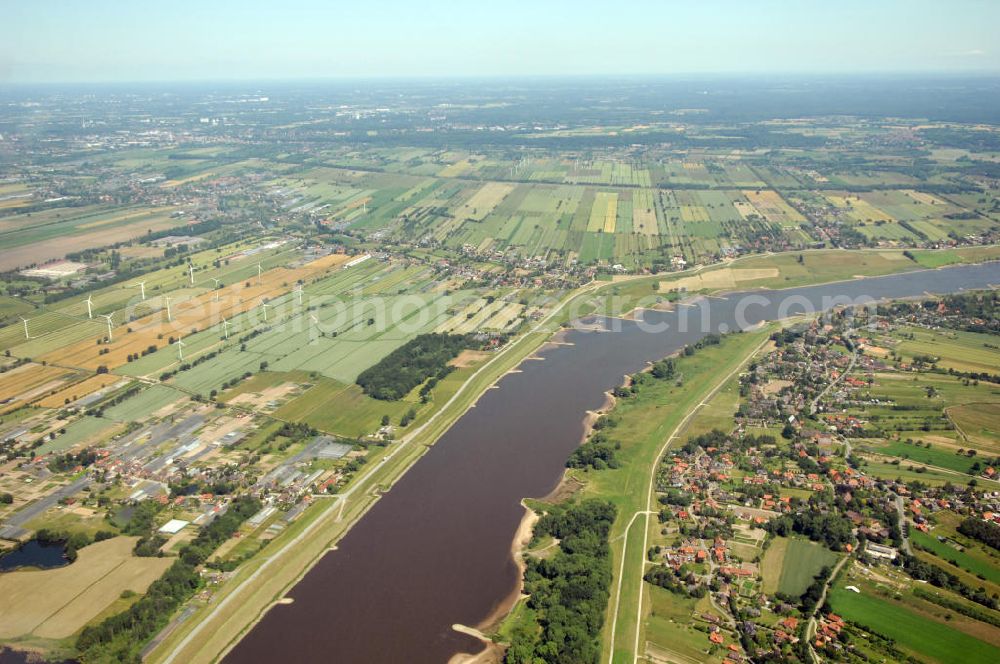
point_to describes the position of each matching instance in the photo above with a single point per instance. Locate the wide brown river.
(436, 549)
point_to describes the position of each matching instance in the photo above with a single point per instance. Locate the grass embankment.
(646, 422)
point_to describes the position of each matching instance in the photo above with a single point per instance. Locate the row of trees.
(922, 570)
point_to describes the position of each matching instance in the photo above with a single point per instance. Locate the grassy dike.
(647, 423)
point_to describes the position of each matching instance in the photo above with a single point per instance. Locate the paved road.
(850, 367)
(902, 525)
(14, 527)
(811, 628)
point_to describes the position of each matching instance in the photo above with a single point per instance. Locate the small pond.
(34, 553)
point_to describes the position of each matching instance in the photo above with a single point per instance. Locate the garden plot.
(774, 208)
(603, 213)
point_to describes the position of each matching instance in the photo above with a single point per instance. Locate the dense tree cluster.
(831, 529)
(597, 453)
(677, 581)
(984, 531)
(569, 590)
(675, 497)
(810, 598)
(120, 638)
(412, 363)
(664, 369)
(66, 462)
(140, 517)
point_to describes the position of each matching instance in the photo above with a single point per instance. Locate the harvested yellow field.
(724, 278)
(644, 213)
(56, 603)
(472, 317)
(611, 215)
(926, 199)
(483, 201)
(479, 318)
(358, 203)
(694, 214)
(746, 209)
(78, 390)
(198, 312)
(456, 169)
(169, 184)
(505, 318)
(773, 207)
(603, 213)
(461, 316)
(30, 381)
(859, 209)
(469, 358)
(16, 202)
(112, 219)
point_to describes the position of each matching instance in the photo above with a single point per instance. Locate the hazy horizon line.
(427, 78)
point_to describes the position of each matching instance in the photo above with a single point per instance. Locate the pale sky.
(109, 40)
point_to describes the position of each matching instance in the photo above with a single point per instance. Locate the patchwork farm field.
(39, 237)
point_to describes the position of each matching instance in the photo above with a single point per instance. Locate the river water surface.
(436, 549)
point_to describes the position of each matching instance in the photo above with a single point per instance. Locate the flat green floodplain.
(921, 636)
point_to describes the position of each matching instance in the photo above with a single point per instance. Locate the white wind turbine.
(142, 288)
(298, 291)
(180, 349)
(260, 272)
(107, 317)
(25, 321)
(264, 307)
(90, 307)
(217, 282)
(225, 327)
(166, 302)
(191, 273)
